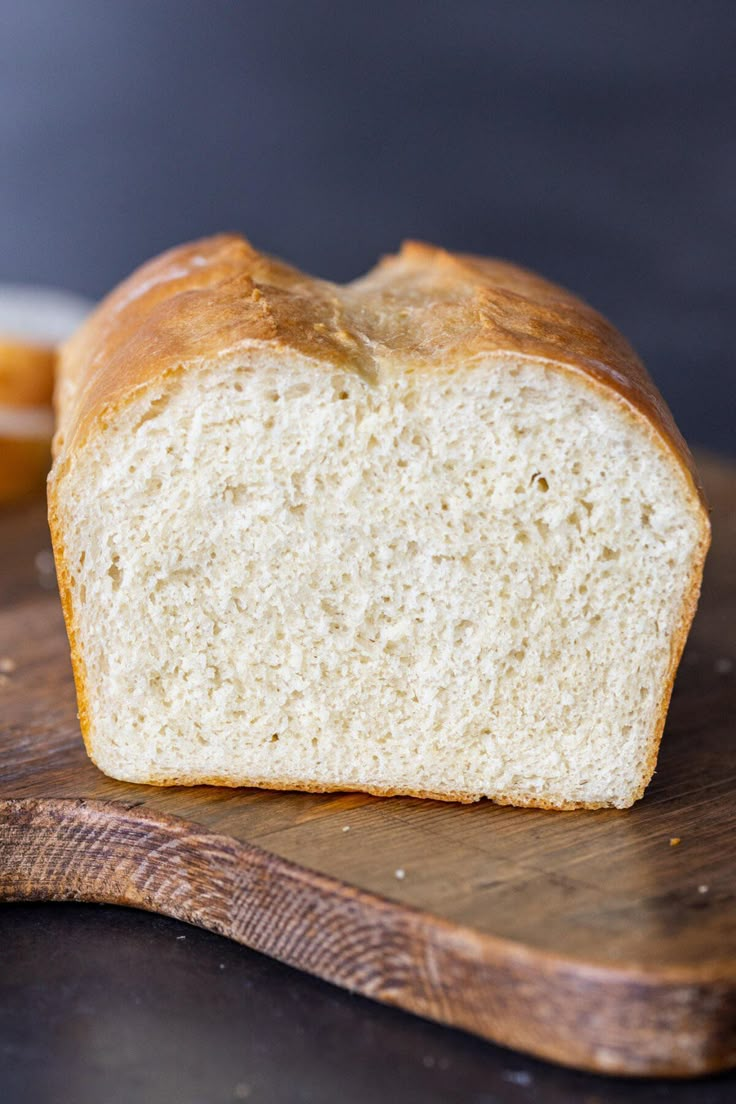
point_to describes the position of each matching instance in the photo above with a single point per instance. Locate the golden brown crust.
(677, 645)
(424, 306)
(423, 309)
(463, 797)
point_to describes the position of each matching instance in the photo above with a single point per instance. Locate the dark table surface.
(101, 1005)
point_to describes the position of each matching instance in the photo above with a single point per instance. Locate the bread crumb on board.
(675, 841)
(7, 665)
(400, 874)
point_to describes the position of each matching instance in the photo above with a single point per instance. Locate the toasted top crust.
(423, 308)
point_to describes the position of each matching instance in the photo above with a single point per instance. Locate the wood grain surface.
(590, 938)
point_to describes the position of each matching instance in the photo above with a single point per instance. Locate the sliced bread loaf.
(433, 532)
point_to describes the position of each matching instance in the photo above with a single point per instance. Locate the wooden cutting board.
(591, 938)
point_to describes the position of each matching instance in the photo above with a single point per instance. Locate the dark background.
(591, 139)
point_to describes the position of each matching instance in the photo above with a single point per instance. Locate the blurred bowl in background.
(33, 322)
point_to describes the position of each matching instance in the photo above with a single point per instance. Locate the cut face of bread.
(461, 576)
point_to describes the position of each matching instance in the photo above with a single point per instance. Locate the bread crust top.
(423, 308)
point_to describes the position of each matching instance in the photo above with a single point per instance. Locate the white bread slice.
(433, 532)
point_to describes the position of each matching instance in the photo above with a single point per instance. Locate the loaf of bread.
(32, 322)
(433, 532)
